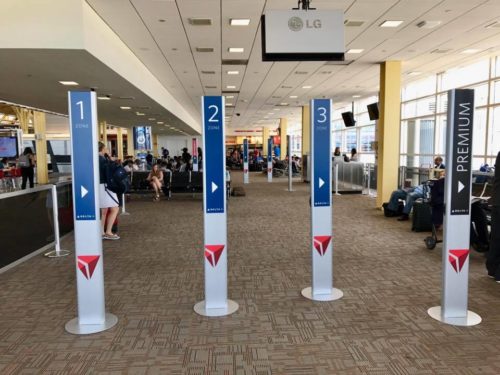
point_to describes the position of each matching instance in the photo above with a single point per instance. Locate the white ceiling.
(168, 48)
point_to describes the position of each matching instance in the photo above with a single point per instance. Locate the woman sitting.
(155, 179)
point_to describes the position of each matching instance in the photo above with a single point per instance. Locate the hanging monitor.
(373, 111)
(300, 35)
(348, 118)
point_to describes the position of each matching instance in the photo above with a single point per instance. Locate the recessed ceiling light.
(103, 98)
(230, 87)
(236, 49)
(68, 83)
(125, 108)
(414, 73)
(229, 104)
(233, 72)
(151, 119)
(284, 104)
(139, 114)
(239, 22)
(204, 49)
(391, 23)
(356, 96)
(306, 87)
(200, 21)
(229, 96)
(355, 50)
(293, 96)
(470, 51)
(160, 123)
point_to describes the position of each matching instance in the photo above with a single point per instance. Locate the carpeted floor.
(154, 275)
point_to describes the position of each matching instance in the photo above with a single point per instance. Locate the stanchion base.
(200, 309)
(125, 214)
(334, 295)
(86, 329)
(471, 319)
(336, 194)
(57, 254)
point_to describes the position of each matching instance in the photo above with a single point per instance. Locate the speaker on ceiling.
(373, 111)
(348, 118)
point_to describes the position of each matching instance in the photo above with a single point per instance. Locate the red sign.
(321, 243)
(457, 258)
(87, 264)
(213, 253)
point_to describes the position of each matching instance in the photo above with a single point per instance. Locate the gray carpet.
(154, 276)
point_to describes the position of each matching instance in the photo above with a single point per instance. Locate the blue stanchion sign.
(214, 153)
(245, 150)
(81, 146)
(322, 152)
(270, 149)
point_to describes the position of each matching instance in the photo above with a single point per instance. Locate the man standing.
(493, 260)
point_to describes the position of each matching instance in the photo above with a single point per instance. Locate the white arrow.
(460, 186)
(321, 182)
(83, 191)
(214, 186)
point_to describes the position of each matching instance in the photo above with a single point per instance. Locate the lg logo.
(297, 24)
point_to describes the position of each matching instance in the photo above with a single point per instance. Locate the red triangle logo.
(87, 264)
(457, 258)
(321, 243)
(213, 253)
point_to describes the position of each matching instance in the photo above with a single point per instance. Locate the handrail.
(25, 192)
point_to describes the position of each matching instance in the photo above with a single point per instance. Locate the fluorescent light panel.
(233, 72)
(125, 108)
(236, 50)
(239, 22)
(68, 83)
(355, 50)
(389, 23)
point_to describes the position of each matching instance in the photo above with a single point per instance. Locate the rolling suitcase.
(422, 217)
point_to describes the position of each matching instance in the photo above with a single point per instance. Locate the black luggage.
(391, 213)
(422, 217)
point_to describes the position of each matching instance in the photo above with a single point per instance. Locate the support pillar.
(42, 171)
(306, 131)
(388, 130)
(265, 137)
(103, 132)
(119, 143)
(155, 145)
(283, 134)
(130, 142)
(23, 115)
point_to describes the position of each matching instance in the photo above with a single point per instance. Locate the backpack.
(117, 179)
(24, 161)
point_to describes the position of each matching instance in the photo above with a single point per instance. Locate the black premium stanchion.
(456, 244)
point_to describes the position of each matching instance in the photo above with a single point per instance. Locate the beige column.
(103, 132)
(23, 115)
(119, 143)
(283, 134)
(388, 130)
(42, 172)
(130, 142)
(265, 137)
(306, 131)
(155, 145)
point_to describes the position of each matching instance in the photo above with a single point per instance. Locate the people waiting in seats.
(108, 201)
(409, 195)
(493, 258)
(155, 179)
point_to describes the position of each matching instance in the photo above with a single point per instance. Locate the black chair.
(167, 180)
(196, 185)
(180, 182)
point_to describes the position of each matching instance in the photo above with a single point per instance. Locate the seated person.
(130, 166)
(155, 179)
(438, 163)
(4, 164)
(409, 195)
(354, 155)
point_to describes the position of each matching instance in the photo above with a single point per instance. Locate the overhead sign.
(81, 145)
(142, 138)
(310, 35)
(214, 158)
(322, 145)
(460, 160)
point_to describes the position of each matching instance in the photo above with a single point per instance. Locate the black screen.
(373, 111)
(348, 118)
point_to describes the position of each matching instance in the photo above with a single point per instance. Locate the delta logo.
(269, 170)
(457, 258)
(87, 264)
(213, 253)
(245, 170)
(321, 243)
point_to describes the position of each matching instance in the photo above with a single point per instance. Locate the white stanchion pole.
(58, 252)
(194, 148)
(216, 302)
(321, 205)
(336, 171)
(124, 211)
(458, 188)
(245, 162)
(92, 316)
(270, 160)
